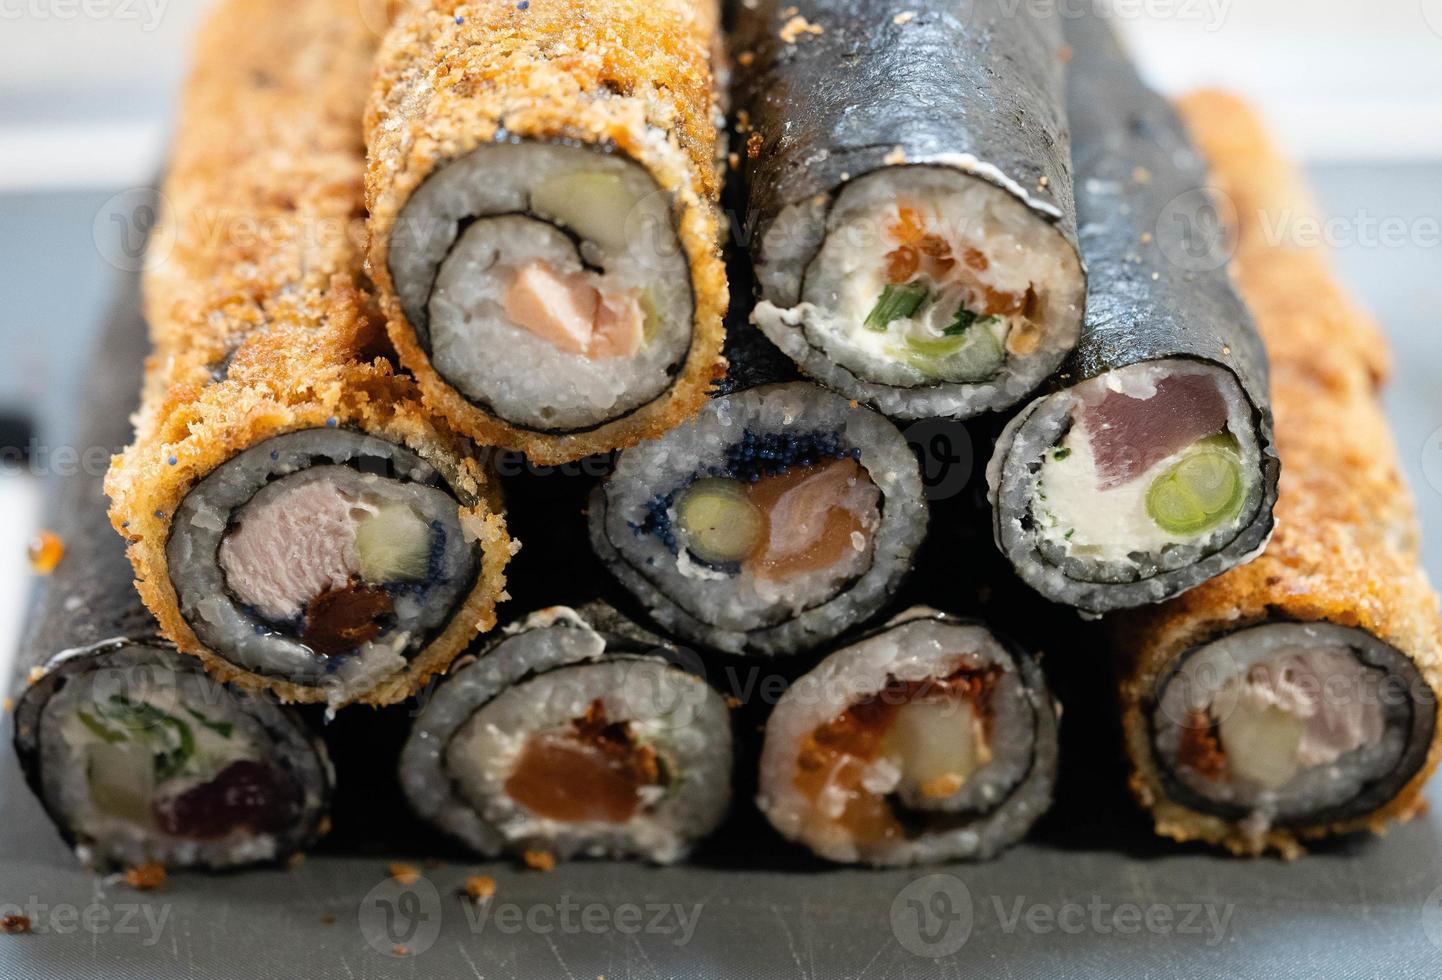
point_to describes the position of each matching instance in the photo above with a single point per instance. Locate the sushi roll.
(780, 517)
(909, 197)
(572, 735)
(136, 755)
(930, 740)
(297, 518)
(1149, 467)
(544, 227)
(1294, 698)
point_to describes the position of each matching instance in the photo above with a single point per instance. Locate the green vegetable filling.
(896, 303)
(722, 524)
(1201, 490)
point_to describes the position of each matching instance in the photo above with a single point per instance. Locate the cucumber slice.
(1200, 491)
(939, 745)
(594, 205)
(975, 355)
(722, 525)
(1261, 744)
(122, 780)
(393, 545)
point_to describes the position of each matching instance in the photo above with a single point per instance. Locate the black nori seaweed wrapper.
(88, 606)
(978, 78)
(1152, 233)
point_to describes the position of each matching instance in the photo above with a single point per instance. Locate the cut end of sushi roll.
(546, 283)
(140, 757)
(572, 741)
(1133, 486)
(326, 557)
(929, 741)
(1290, 725)
(780, 517)
(922, 290)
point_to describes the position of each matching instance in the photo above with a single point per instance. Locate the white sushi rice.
(170, 682)
(382, 472)
(1355, 680)
(474, 221)
(739, 612)
(540, 678)
(822, 270)
(995, 807)
(1116, 556)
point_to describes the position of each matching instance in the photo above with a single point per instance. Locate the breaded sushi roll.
(544, 227)
(1296, 697)
(572, 735)
(1149, 467)
(296, 516)
(136, 755)
(930, 740)
(909, 197)
(780, 517)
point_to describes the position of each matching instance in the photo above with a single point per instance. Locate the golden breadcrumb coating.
(259, 313)
(1345, 549)
(633, 75)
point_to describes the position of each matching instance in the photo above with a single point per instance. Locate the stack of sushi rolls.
(909, 197)
(572, 734)
(1149, 466)
(1295, 698)
(136, 755)
(297, 517)
(544, 227)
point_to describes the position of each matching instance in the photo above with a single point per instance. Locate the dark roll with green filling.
(1150, 466)
(137, 755)
(782, 516)
(910, 197)
(575, 735)
(929, 740)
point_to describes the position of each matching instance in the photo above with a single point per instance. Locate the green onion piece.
(1201, 491)
(149, 721)
(896, 303)
(964, 319)
(222, 728)
(108, 735)
(973, 356)
(722, 525)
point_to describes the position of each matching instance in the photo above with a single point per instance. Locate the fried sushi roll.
(930, 740)
(1297, 697)
(545, 236)
(572, 735)
(296, 516)
(136, 755)
(780, 517)
(910, 200)
(1150, 467)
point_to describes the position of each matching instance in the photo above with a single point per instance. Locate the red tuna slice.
(1129, 435)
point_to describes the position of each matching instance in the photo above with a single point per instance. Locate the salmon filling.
(574, 312)
(913, 740)
(595, 770)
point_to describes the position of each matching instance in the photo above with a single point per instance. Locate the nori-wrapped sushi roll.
(544, 226)
(1149, 467)
(297, 518)
(1296, 697)
(929, 740)
(910, 200)
(572, 735)
(780, 517)
(135, 753)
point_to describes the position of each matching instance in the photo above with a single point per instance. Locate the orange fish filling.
(918, 247)
(593, 771)
(838, 754)
(817, 530)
